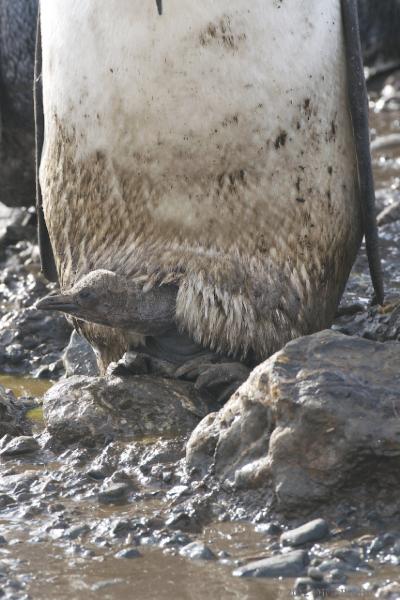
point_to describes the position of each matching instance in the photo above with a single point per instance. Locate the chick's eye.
(86, 295)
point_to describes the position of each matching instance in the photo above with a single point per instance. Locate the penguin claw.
(221, 380)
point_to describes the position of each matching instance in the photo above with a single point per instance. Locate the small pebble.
(128, 553)
(114, 494)
(120, 527)
(336, 576)
(304, 585)
(330, 564)
(101, 585)
(167, 476)
(268, 528)
(81, 551)
(175, 539)
(75, 532)
(351, 556)
(197, 551)
(391, 591)
(96, 474)
(6, 500)
(350, 590)
(379, 543)
(315, 573)
(182, 521)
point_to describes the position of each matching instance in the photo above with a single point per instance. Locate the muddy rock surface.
(94, 410)
(319, 416)
(79, 357)
(31, 341)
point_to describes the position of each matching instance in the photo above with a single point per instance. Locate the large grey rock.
(92, 410)
(79, 357)
(309, 532)
(320, 415)
(20, 445)
(291, 564)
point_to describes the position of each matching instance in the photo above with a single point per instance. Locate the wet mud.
(125, 519)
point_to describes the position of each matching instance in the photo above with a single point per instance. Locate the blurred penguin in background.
(380, 30)
(17, 138)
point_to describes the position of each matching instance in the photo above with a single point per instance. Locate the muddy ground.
(124, 518)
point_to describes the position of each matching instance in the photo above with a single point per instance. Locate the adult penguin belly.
(210, 148)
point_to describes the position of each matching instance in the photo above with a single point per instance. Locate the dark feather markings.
(159, 6)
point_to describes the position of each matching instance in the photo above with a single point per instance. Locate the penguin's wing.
(358, 100)
(46, 251)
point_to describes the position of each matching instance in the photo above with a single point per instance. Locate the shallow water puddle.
(25, 386)
(155, 575)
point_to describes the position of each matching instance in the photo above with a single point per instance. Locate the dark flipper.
(358, 99)
(46, 251)
(159, 6)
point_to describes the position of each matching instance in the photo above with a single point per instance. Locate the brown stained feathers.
(246, 289)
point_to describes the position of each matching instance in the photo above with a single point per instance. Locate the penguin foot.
(222, 380)
(218, 381)
(140, 363)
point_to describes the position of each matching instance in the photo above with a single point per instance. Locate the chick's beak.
(63, 302)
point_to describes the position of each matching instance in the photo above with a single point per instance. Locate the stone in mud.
(336, 577)
(128, 553)
(11, 419)
(15, 225)
(18, 446)
(315, 573)
(305, 585)
(197, 551)
(309, 532)
(79, 357)
(31, 339)
(184, 521)
(292, 564)
(77, 531)
(93, 410)
(320, 417)
(390, 591)
(380, 324)
(350, 557)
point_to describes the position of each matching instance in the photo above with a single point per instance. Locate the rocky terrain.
(117, 485)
